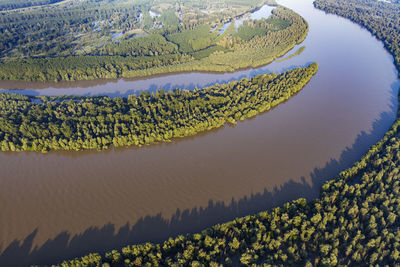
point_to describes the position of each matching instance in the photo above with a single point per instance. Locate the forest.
(63, 30)
(354, 222)
(57, 49)
(10, 4)
(75, 27)
(29, 123)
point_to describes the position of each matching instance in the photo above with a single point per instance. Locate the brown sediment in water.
(80, 202)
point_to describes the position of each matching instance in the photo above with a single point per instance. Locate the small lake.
(65, 204)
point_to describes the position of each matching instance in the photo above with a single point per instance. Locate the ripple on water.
(101, 200)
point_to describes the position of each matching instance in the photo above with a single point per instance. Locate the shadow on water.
(152, 88)
(157, 228)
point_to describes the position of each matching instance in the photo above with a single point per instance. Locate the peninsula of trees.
(76, 123)
(354, 222)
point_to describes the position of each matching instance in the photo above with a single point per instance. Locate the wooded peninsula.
(29, 123)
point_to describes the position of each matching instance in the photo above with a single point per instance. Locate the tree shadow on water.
(157, 228)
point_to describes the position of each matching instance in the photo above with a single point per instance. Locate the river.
(66, 204)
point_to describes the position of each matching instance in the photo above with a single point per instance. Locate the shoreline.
(74, 84)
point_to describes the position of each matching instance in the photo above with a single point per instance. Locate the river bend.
(65, 204)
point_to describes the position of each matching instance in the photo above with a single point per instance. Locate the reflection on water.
(61, 205)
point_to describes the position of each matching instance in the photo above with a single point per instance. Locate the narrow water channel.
(66, 204)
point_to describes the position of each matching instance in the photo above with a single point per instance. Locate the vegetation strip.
(10, 5)
(99, 122)
(295, 54)
(354, 222)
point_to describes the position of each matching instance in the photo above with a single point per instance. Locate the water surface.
(67, 204)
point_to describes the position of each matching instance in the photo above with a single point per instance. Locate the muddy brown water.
(61, 205)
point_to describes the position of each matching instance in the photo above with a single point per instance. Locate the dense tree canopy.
(44, 123)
